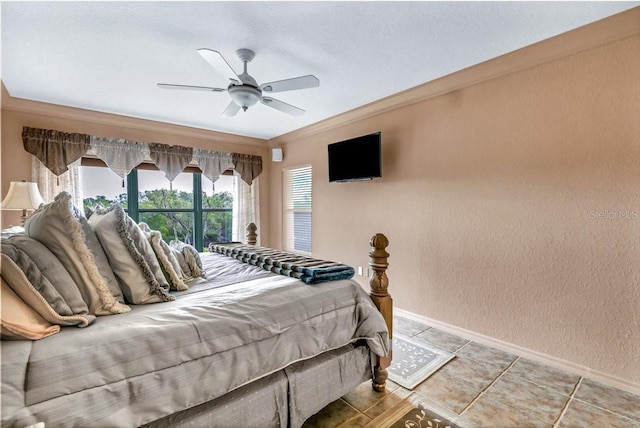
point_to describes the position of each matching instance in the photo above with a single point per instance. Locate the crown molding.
(21, 105)
(613, 28)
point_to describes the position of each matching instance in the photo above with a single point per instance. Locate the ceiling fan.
(244, 90)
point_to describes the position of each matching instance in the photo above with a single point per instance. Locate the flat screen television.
(356, 159)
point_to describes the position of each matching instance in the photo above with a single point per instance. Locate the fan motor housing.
(245, 95)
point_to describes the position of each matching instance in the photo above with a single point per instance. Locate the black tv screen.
(356, 159)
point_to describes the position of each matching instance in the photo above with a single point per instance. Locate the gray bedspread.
(130, 369)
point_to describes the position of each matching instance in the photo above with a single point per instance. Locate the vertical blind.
(297, 198)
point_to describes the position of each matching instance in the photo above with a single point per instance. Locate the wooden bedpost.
(378, 281)
(252, 235)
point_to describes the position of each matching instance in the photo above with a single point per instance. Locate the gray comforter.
(133, 368)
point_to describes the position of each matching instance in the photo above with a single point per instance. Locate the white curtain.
(50, 185)
(246, 208)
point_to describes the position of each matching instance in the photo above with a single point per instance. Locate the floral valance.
(57, 149)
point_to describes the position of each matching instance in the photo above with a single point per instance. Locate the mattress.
(134, 368)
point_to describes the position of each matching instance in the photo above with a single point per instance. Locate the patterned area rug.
(416, 412)
(414, 361)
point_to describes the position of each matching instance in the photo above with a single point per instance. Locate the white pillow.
(59, 226)
(167, 259)
(191, 258)
(130, 255)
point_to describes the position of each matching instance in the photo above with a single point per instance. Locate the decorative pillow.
(168, 261)
(60, 227)
(144, 247)
(191, 257)
(130, 255)
(102, 262)
(47, 275)
(19, 321)
(29, 293)
(184, 266)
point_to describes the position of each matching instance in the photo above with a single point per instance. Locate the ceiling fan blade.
(231, 110)
(302, 82)
(189, 87)
(282, 106)
(219, 64)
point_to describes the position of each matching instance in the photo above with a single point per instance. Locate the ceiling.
(108, 56)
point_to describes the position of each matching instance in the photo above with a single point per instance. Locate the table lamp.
(23, 196)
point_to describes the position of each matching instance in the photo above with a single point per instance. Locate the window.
(102, 186)
(218, 209)
(297, 198)
(167, 207)
(187, 209)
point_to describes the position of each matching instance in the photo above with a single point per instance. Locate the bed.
(245, 347)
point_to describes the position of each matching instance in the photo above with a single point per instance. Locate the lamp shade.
(22, 195)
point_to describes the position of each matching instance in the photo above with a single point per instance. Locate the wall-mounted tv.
(356, 159)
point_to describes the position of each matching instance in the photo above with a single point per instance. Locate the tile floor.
(491, 388)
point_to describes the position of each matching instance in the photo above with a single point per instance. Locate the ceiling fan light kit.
(243, 89)
(244, 95)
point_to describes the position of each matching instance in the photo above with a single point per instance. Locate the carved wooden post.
(379, 283)
(252, 236)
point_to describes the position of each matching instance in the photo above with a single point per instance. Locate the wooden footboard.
(379, 283)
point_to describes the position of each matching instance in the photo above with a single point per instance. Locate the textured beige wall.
(490, 199)
(16, 162)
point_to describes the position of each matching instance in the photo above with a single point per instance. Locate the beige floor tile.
(579, 415)
(480, 374)
(487, 355)
(453, 394)
(541, 374)
(402, 392)
(363, 397)
(356, 422)
(381, 406)
(487, 412)
(331, 416)
(408, 327)
(541, 403)
(442, 340)
(608, 398)
(391, 385)
(528, 394)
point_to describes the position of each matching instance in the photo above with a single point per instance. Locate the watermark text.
(614, 214)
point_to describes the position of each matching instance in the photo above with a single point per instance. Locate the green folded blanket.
(306, 269)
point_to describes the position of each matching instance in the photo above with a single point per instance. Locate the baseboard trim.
(549, 360)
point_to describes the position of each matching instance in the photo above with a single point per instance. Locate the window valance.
(214, 163)
(247, 166)
(112, 151)
(57, 149)
(171, 160)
